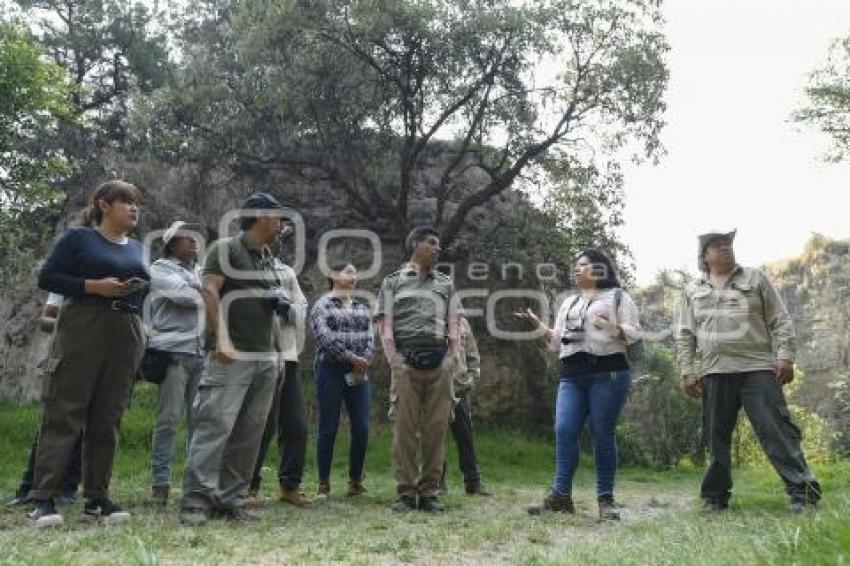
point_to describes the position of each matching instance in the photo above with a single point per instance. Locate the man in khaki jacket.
(468, 372)
(735, 345)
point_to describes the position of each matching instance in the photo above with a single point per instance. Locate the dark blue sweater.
(83, 253)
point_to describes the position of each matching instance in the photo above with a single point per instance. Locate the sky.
(738, 70)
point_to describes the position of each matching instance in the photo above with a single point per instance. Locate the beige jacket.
(469, 366)
(741, 327)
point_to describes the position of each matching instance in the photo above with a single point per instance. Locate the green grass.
(660, 521)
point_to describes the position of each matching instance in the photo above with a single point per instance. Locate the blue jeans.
(597, 397)
(332, 391)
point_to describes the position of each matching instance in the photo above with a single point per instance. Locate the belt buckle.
(114, 305)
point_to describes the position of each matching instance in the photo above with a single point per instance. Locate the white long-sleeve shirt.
(600, 338)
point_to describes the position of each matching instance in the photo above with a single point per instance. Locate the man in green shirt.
(237, 388)
(735, 346)
(418, 320)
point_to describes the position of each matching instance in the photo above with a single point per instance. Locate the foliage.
(33, 103)
(829, 99)
(360, 94)
(664, 423)
(840, 419)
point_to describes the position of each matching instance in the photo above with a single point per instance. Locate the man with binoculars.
(237, 388)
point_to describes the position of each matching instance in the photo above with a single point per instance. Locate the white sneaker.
(45, 515)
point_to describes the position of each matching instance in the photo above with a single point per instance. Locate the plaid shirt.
(339, 330)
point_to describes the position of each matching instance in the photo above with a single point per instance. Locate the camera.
(572, 335)
(280, 304)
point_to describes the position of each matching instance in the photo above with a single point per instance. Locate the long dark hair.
(604, 272)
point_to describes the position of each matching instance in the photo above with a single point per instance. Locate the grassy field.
(660, 523)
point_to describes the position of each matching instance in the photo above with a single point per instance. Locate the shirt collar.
(705, 278)
(410, 268)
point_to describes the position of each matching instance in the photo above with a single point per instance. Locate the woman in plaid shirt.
(344, 336)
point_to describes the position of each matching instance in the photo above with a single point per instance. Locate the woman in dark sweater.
(99, 343)
(592, 331)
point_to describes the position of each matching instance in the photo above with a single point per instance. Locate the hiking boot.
(45, 515)
(102, 509)
(712, 506)
(355, 488)
(556, 502)
(403, 504)
(295, 497)
(477, 489)
(607, 509)
(193, 516)
(431, 505)
(323, 491)
(159, 495)
(252, 499)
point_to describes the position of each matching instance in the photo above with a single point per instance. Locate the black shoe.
(712, 506)
(431, 505)
(101, 508)
(403, 504)
(556, 502)
(607, 509)
(45, 515)
(193, 516)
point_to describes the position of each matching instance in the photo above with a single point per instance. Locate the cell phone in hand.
(136, 284)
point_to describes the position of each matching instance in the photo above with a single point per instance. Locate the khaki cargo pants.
(421, 407)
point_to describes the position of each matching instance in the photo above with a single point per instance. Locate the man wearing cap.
(735, 346)
(418, 318)
(175, 315)
(237, 388)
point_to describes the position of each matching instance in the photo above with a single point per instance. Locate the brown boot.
(253, 499)
(295, 497)
(159, 495)
(355, 488)
(553, 502)
(324, 491)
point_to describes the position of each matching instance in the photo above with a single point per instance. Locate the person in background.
(99, 343)
(74, 469)
(735, 346)
(468, 372)
(592, 332)
(287, 417)
(176, 319)
(342, 326)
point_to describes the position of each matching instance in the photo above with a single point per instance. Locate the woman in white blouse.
(592, 331)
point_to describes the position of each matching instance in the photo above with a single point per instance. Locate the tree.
(366, 94)
(829, 99)
(33, 102)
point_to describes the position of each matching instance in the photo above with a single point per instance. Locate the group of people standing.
(238, 381)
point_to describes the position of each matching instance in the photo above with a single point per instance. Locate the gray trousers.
(176, 392)
(763, 401)
(229, 415)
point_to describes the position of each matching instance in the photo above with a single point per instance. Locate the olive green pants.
(87, 387)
